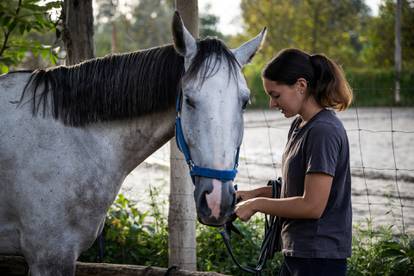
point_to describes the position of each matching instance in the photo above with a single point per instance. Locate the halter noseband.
(223, 175)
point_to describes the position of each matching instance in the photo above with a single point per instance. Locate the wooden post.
(398, 58)
(78, 30)
(182, 216)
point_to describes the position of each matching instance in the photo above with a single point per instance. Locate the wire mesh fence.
(382, 162)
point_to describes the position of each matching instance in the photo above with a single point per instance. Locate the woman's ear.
(302, 84)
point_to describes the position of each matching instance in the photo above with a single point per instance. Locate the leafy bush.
(17, 20)
(134, 237)
(381, 253)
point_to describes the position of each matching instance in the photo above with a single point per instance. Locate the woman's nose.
(273, 103)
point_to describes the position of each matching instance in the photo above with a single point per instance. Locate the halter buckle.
(191, 164)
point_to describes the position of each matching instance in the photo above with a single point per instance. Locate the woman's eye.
(189, 102)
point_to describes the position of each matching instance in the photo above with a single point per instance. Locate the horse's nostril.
(203, 206)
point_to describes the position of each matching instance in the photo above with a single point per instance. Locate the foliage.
(208, 25)
(212, 253)
(372, 87)
(380, 43)
(134, 237)
(148, 24)
(17, 19)
(344, 30)
(332, 27)
(375, 87)
(107, 9)
(381, 253)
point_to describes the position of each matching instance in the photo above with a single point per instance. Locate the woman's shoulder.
(328, 120)
(325, 126)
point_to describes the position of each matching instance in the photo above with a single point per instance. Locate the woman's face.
(289, 99)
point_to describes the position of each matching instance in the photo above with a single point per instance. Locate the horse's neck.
(117, 147)
(125, 144)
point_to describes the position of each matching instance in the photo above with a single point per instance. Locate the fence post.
(182, 216)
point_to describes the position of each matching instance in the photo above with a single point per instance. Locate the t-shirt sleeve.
(322, 149)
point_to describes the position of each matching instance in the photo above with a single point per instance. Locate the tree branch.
(7, 34)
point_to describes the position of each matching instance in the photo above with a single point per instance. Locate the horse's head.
(214, 95)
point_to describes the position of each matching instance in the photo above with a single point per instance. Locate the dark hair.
(121, 86)
(326, 80)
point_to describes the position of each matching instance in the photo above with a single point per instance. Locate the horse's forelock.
(211, 52)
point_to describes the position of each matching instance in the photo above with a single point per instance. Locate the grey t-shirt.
(321, 146)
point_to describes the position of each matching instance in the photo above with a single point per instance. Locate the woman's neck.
(309, 109)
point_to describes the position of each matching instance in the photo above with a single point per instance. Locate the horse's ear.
(184, 42)
(246, 52)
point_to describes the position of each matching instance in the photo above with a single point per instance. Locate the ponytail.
(326, 80)
(329, 86)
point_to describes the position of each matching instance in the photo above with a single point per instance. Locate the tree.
(78, 30)
(332, 27)
(17, 19)
(379, 49)
(108, 11)
(208, 25)
(152, 23)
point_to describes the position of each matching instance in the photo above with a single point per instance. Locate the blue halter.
(223, 175)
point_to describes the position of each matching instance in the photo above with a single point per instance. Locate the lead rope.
(271, 241)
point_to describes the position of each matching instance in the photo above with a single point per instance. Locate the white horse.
(69, 140)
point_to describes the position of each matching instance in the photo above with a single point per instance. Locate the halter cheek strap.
(223, 175)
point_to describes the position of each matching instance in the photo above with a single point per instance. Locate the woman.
(315, 201)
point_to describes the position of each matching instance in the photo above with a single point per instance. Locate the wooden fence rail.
(17, 266)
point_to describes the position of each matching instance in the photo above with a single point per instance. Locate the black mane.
(120, 86)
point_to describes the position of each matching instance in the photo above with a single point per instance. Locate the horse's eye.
(189, 102)
(245, 103)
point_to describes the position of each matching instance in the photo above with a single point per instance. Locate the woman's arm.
(259, 192)
(309, 206)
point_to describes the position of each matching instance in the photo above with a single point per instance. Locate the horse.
(71, 134)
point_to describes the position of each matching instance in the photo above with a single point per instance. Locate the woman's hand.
(245, 195)
(245, 209)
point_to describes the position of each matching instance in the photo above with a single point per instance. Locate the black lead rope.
(271, 241)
